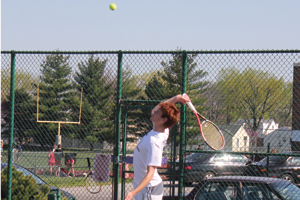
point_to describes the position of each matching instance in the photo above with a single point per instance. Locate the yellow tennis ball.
(113, 6)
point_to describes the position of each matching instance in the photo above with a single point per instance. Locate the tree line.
(249, 94)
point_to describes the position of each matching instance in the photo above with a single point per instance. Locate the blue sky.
(80, 25)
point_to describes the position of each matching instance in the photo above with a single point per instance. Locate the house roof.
(242, 121)
(281, 131)
(229, 130)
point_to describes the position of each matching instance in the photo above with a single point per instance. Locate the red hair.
(170, 112)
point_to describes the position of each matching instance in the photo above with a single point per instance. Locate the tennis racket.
(209, 131)
(92, 186)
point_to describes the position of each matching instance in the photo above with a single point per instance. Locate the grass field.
(38, 161)
(73, 181)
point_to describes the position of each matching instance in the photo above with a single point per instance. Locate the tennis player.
(148, 154)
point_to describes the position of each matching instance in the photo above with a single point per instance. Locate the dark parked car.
(38, 179)
(243, 188)
(200, 166)
(283, 166)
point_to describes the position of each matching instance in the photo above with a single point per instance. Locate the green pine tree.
(172, 76)
(97, 120)
(56, 97)
(24, 113)
(154, 86)
(167, 83)
(138, 117)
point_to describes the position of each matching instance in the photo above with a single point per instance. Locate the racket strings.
(209, 131)
(212, 135)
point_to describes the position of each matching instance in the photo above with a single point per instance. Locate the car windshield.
(196, 156)
(287, 190)
(217, 191)
(258, 191)
(274, 159)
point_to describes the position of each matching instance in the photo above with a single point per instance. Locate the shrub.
(22, 187)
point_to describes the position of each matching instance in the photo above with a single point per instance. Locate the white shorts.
(150, 193)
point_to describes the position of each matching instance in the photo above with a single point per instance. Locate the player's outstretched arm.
(183, 98)
(143, 183)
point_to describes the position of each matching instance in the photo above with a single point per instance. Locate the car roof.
(15, 165)
(286, 153)
(213, 153)
(219, 152)
(253, 179)
(3, 165)
(291, 152)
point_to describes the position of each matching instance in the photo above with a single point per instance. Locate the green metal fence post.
(173, 159)
(11, 125)
(118, 126)
(124, 153)
(182, 124)
(268, 159)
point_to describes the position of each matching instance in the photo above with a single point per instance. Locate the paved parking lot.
(106, 191)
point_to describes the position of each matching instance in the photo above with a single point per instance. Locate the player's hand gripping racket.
(91, 185)
(210, 133)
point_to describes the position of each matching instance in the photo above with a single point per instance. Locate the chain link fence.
(100, 102)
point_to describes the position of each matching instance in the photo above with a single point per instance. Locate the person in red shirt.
(51, 161)
(70, 162)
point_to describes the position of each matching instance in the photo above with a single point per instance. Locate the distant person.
(70, 162)
(273, 151)
(54, 147)
(51, 161)
(19, 148)
(2, 157)
(15, 152)
(58, 154)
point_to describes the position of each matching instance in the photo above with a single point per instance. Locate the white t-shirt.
(149, 153)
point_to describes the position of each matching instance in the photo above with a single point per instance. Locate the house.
(257, 138)
(236, 137)
(279, 139)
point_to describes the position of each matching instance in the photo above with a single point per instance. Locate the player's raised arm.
(183, 98)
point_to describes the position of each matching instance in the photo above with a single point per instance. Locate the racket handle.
(191, 106)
